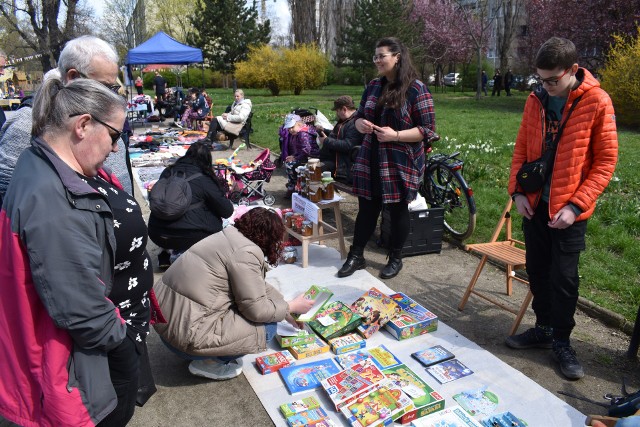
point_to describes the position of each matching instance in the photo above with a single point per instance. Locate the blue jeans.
(270, 332)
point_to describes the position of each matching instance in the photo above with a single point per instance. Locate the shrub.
(304, 67)
(620, 78)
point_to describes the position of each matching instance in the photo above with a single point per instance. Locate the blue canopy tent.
(163, 49)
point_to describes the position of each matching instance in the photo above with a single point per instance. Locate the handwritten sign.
(304, 206)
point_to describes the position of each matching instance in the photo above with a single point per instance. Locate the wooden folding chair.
(509, 252)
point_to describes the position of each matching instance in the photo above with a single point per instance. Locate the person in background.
(484, 82)
(139, 84)
(497, 83)
(209, 203)
(70, 353)
(233, 120)
(159, 87)
(337, 149)
(303, 145)
(218, 303)
(85, 56)
(396, 115)
(508, 81)
(555, 217)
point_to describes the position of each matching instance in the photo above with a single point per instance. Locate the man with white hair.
(83, 57)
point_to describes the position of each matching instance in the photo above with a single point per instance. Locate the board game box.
(288, 336)
(477, 402)
(303, 351)
(413, 319)
(310, 417)
(334, 320)
(378, 406)
(432, 355)
(453, 416)
(448, 371)
(376, 309)
(304, 404)
(346, 384)
(299, 378)
(347, 360)
(383, 357)
(347, 343)
(425, 400)
(320, 295)
(270, 363)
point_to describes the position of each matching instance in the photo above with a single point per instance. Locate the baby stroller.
(249, 186)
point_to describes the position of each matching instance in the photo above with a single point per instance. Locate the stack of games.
(334, 320)
(376, 309)
(379, 406)
(413, 319)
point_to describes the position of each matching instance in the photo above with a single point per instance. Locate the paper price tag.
(325, 320)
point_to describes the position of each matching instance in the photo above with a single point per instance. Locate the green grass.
(484, 131)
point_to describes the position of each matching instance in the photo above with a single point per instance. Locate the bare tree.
(113, 26)
(173, 17)
(507, 26)
(303, 21)
(43, 29)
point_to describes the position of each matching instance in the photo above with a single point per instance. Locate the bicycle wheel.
(446, 188)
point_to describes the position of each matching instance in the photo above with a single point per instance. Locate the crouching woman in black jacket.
(201, 221)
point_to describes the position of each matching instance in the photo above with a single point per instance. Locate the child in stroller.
(248, 186)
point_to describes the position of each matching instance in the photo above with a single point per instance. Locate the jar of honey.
(287, 219)
(290, 255)
(314, 191)
(327, 189)
(307, 228)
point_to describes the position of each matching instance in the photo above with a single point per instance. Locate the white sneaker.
(214, 369)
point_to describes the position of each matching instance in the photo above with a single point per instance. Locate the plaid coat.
(401, 164)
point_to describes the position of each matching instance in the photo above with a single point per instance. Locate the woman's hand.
(300, 304)
(385, 134)
(289, 159)
(289, 318)
(224, 116)
(364, 126)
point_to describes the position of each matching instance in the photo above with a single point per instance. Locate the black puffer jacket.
(206, 218)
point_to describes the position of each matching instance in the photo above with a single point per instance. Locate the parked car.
(529, 83)
(452, 79)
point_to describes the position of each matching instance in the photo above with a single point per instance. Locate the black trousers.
(552, 265)
(214, 127)
(124, 368)
(367, 221)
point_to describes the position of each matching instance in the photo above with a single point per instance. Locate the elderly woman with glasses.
(75, 273)
(395, 115)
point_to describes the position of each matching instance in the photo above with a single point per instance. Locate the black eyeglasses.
(113, 87)
(114, 137)
(552, 81)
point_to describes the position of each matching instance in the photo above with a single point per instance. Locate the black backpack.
(170, 197)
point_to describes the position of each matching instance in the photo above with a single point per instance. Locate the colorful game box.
(304, 404)
(311, 417)
(453, 416)
(477, 402)
(299, 378)
(320, 295)
(377, 407)
(413, 319)
(273, 362)
(448, 371)
(432, 355)
(505, 419)
(301, 337)
(303, 351)
(346, 384)
(347, 343)
(376, 309)
(383, 357)
(425, 400)
(347, 360)
(334, 320)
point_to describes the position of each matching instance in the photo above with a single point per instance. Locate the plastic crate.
(425, 231)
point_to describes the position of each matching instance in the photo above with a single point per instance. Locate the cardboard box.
(303, 351)
(347, 343)
(425, 400)
(413, 319)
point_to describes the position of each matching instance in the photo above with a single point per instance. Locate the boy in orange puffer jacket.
(555, 216)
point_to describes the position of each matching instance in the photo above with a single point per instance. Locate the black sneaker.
(565, 355)
(531, 338)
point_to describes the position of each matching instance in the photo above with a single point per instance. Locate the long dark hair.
(395, 92)
(200, 154)
(265, 228)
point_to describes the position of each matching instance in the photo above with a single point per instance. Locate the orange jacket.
(587, 152)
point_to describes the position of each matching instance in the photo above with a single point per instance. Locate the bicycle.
(444, 186)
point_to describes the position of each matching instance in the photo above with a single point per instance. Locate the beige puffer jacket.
(216, 300)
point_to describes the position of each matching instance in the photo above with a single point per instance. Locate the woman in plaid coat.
(395, 115)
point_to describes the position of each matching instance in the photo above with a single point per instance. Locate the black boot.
(355, 261)
(394, 265)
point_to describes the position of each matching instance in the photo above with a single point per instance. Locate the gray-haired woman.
(73, 328)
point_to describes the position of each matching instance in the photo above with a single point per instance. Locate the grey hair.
(79, 52)
(240, 91)
(54, 103)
